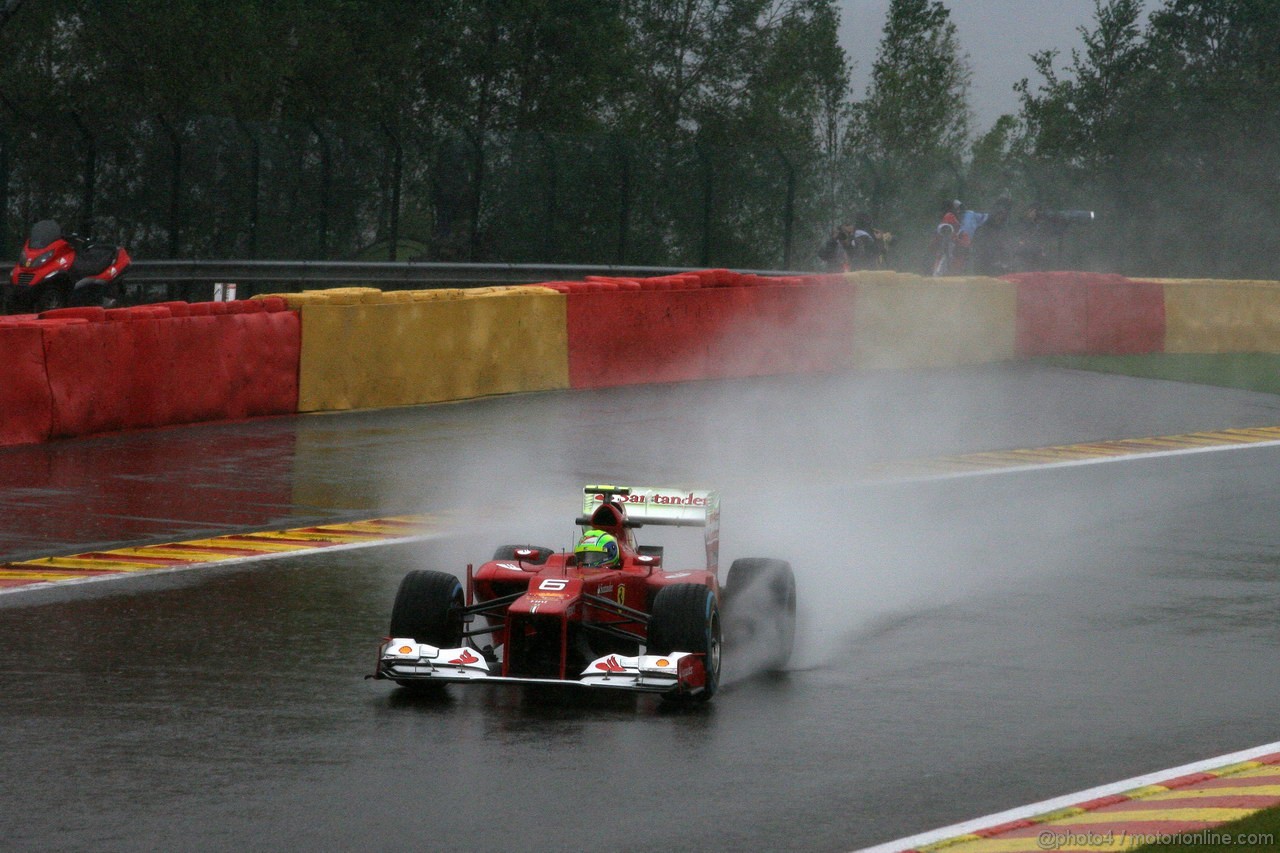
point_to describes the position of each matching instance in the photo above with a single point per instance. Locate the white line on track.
(1073, 463)
(1045, 806)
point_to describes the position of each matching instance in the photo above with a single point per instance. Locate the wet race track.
(965, 645)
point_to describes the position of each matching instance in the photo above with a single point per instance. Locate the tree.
(1168, 132)
(909, 135)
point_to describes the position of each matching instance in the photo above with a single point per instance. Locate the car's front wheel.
(429, 608)
(686, 618)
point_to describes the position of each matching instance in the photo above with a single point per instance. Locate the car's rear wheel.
(429, 608)
(760, 609)
(686, 618)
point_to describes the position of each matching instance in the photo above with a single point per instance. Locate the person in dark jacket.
(837, 252)
(867, 246)
(993, 243)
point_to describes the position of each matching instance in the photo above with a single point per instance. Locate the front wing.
(406, 661)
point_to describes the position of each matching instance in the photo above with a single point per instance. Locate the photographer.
(837, 252)
(993, 245)
(1042, 235)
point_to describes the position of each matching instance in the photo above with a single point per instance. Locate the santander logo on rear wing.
(658, 504)
(664, 505)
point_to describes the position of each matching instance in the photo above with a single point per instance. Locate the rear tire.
(760, 608)
(429, 608)
(686, 618)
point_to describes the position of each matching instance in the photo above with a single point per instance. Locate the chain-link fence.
(217, 188)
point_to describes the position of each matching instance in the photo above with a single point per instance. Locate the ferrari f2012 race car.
(634, 625)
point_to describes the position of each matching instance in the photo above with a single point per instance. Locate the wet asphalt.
(965, 646)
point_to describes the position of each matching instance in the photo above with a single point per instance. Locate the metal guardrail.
(195, 280)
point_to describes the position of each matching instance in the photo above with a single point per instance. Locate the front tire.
(52, 295)
(429, 608)
(686, 618)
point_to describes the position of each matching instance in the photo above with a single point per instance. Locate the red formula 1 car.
(636, 626)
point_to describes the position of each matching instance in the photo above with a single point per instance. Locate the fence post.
(4, 193)
(397, 173)
(325, 177)
(255, 182)
(90, 175)
(477, 192)
(549, 199)
(789, 209)
(624, 197)
(175, 187)
(708, 186)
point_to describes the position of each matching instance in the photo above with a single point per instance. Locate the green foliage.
(1169, 133)
(909, 137)
(514, 130)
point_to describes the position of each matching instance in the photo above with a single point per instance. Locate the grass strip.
(1249, 371)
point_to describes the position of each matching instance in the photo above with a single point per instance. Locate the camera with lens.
(1068, 217)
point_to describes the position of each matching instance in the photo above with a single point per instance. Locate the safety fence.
(213, 187)
(87, 370)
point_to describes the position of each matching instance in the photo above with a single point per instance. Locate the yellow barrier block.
(902, 320)
(438, 294)
(307, 297)
(1212, 316)
(353, 295)
(453, 346)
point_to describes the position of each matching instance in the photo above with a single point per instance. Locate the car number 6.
(553, 585)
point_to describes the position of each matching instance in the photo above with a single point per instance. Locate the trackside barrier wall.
(1074, 313)
(155, 365)
(717, 325)
(905, 321)
(361, 349)
(85, 370)
(26, 407)
(1207, 316)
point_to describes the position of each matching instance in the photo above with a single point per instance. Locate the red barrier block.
(156, 370)
(26, 406)
(88, 376)
(656, 335)
(177, 308)
(1070, 313)
(1125, 316)
(272, 304)
(262, 365)
(91, 313)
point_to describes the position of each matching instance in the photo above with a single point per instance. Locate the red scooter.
(56, 270)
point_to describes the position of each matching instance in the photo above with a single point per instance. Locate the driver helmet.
(596, 549)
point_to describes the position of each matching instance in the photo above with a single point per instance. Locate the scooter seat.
(92, 260)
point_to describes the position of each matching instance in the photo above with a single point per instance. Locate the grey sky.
(998, 35)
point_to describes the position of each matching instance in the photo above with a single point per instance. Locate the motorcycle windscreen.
(43, 233)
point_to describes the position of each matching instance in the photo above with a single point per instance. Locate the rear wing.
(662, 505)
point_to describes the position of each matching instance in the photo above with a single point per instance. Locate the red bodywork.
(537, 606)
(534, 616)
(63, 270)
